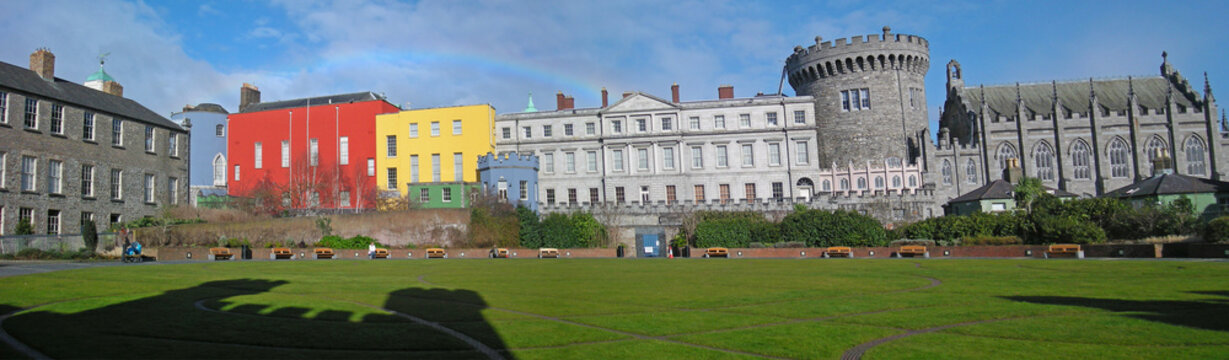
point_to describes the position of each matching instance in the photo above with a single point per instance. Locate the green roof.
(100, 75)
(530, 108)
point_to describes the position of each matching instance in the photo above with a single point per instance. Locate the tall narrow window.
(845, 101)
(343, 150)
(591, 160)
(149, 188)
(313, 150)
(523, 190)
(724, 192)
(371, 167)
(87, 128)
(670, 195)
(172, 195)
(749, 191)
(117, 184)
(548, 162)
(1079, 160)
(446, 194)
(970, 172)
(1155, 147)
(390, 144)
(774, 154)
(172, 144)
(507, 132)
(236, 172)
(3, 175)
(57, 119)
(699, 193)
(644, 194)
(1119, 159)
(947, 172)
(4, 114)
(117, 132)
(748, 155)
(697, 157)
(722, 156)
(593, 196)
(424, 195)
(149, 138)
(642, 159)
(53, 222)
(435, 167)
(778, 190)
(345, 199)
(803, 155)
(458, 167)
(414, 130)
(619, 195)
(1195, 164)
(572, 196)
(435, 128)
(744, 120)
(570, 159)
(219, 131)
(414, 168)
(87, 180)
(456, 127)
(550, 196)
(667, 157)
(866, 98)
(29, 173)
(285, 153)
(1043, 159)
(55, 173)
(219, 170)
(392, 178)
(617, 156)
(1006, 151)
(31, 120)
(259, 156)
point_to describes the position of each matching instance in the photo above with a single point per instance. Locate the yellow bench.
(499, 253)
(1063, 250)
(912, 251)
(323, 253)
(220, 253)
(717, 252)
(380, 254)
(281, 254)
(436, 253)
(841, 251)
(544, 253)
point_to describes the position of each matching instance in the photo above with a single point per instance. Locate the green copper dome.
(528, 108)
(100, 75)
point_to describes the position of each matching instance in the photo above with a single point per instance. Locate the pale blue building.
(511, 177)
(207, 163)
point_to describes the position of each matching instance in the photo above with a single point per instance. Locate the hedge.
(819, 228)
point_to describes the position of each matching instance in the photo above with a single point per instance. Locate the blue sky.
(441, 53)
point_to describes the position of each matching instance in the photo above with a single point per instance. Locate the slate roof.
(210, 107)
(1150, 92)
(23, 80)
(319, 100)
(1001, 189)
(1169, 184)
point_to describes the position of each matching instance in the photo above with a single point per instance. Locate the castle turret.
(869, 93)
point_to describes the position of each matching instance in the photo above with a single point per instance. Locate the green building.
(441, 195)
(993, 197)
(1209, 197)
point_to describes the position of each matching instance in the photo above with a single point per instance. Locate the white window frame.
(285, 153)
(723, 156)
(548, 162)
(771, 118)
(667, 157)
(570, 161)
(642, 159)
(87, 125)
(313, 148)
(29, 174)
(117, 184)
(590, 128)
(390, 146)
(802, 153)
(151, 184)
(55, 177)
(414, 130)
(435, 167)
(693, 123)
(413, 168)
(456, 127)
(591, 160)
(744, 121)
(371, 167)
(117, 132)
(774, 154)
(236, 172)
(719, 121)
(391, 178)
(458, 167)
(617, 157)
(446, 194)
(697, 157)
(172, 195)
(343, 150)
(150, 141)
(435, 128)
(31, 115)
(173, 144)
(258, 156)
(748, 155)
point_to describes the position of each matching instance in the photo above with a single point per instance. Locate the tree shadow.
(189, 323)
(1209, 314)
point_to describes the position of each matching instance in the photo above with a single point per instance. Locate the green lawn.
(634, 309)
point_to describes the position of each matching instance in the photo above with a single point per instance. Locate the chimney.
(627, 93)
(674, 93)
(1013, 173)
(725, 92)
(1162, 164)
(248, 95)
(571, 102)
(605, 101)
(113, 88)
(563, 102)
(42, 61)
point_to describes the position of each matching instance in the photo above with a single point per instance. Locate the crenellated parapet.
(507, 160)
(845, 56)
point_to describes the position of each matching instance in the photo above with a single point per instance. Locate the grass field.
(635, 309)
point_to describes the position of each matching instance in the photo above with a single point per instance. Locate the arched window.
(1006, 151)
(827, 185)
(970, 171)
(1119, 159)
(912, 181)
(219, 170)
(1079, 160)
(220, 130)
(844, 184)
(1155, 146)
(947, 172)
(878, 182)
(1043, 159)
(1194, 156)
(861, 183)
(896, 181)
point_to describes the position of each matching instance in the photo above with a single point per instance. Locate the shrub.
(24, 228)
(909, 242)
(1217, 230)
(819, 228)
(529, 231)
(990, 240)
(356, 242)
(89, 234)
(236, 242)
(756, 245)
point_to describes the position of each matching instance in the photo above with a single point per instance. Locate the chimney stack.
(674, 93)
(564, 102)
(1013, 173)
(605, 101)
(42, 61)
(113, 88)
(725, 92)
(627, 93)
(248, 95)
(1161, 162)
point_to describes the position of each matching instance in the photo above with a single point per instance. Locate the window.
(748, 155)
(507, 131)
(616, 126)
(53, 222)
(31, 120)
(593, 196)
(803, 154)
(1079, 160)
(1155, 147)
(697, 157)
(172, 195)
(550, 196)
(1119, 159)
(570, 159)
(4, 116)
(744, 120)
(749, 191)
(524, 190)
(642, 125)
(446, 195)
(774, 154)
(435, 128)
(724, 191)
(617, 156)
(435, 167)
(644, 194)
(970, 172)
(392, 178)
(456, 127)
(667, 157)
(57, 119)
(590, 128)
(670, 195)
(149, 138)
(567, 129)
(845, 100)
(313, 149)
(827, 185)
(116, 219)
(149, 188)
(371, 167)
(1043, 159)
(800, 117)
(29, 172)
(722, 156)
(87, 180)
(591, 160)
(896, 181)
(501, 190)
(345, 199)
(546, 131)
(413, 168)
(778, 190)
(414, 131)
(855, 99)
(694, 122)
(87, 216)
(699, 193)
(55, 172)
(667, 124)
(117, 132)
(219, 131)
(173, 144)
(219, 170)
(285, 153)
(878, 182)
(236, 172)
(619, 195)
(390, 144)
(26, 214)
(117, 184)
(642, 159)
(861, 183)
(912, 181)
(259, 160)
(87, 128)
(866, 98)
(3, 175)
(719, 121)
(572, 196)
(1194, 156)
(424, 195)
(548, 160)
(771, 118)
(343, 150)
(527, 131)
(458, 167)
(947, 172)
(1006, 151)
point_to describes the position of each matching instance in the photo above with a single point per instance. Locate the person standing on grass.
(371, 250)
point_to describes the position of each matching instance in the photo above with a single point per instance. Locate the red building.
(305, 153)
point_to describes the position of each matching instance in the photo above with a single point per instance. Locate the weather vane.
(102, 58)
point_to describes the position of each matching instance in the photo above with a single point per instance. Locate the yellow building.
(431, 153)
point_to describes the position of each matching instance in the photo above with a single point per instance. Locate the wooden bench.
(380, 254)
(220, 253)
(499, 253)
(838, 251)
(1064, 250)
(717, 252)
(545, 253)
(436, 253)
(912, 251)
(323, 253)
(281, 254)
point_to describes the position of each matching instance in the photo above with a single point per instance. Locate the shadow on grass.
(170, 325)
(1210, 314)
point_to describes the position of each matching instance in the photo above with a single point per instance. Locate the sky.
(168, 54)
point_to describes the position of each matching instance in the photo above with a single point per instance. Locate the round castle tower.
(870, 100)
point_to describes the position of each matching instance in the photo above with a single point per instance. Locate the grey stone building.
(70, 152)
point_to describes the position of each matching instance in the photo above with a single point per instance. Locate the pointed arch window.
(1119, 158)
(1195, 163)
(1155, 146)
(219, 170)
(878, 182)
(947, 172)
(827, 185)
(861, 183)
(1079, 160)
(1006, 151)
(1043, 159)
(970, 171)
(844, 184)
(896, 181)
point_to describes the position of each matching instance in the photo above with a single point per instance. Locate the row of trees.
(497, 224)
(804, 226)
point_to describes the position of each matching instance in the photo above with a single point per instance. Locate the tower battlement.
(873, 52)
(507, 160)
